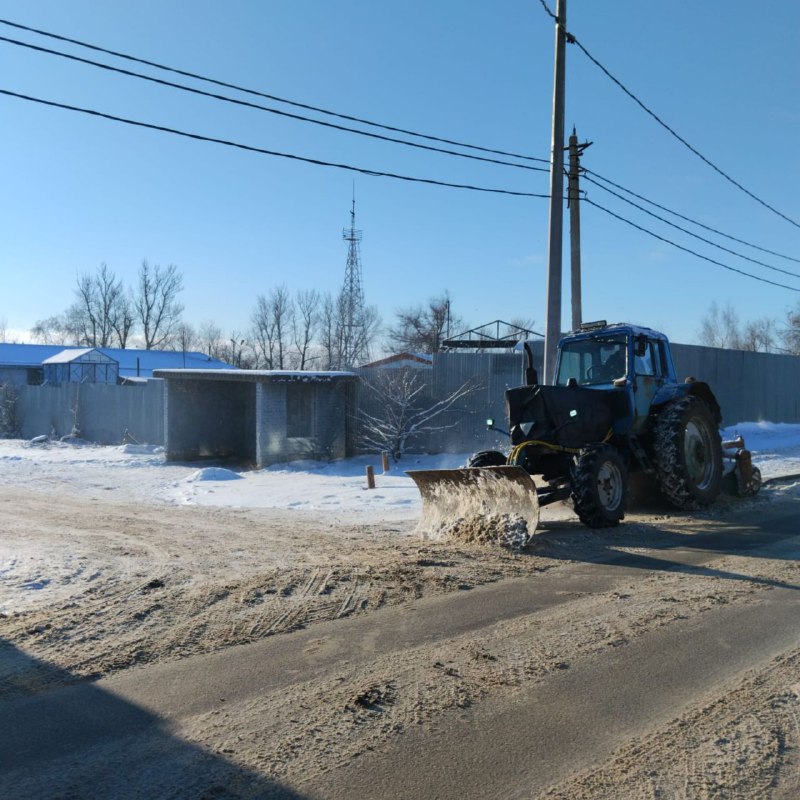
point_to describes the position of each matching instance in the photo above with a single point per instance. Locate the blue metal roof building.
(23, 363)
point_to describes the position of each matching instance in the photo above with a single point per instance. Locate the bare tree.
(98, 307)
(304, 325)
(185, 338)
(124, 319)
(328, 317)
(156, 303)
(3, 329)
(518, 325)
(790, 331)
(209, 339)
(758, 335)
(355, 342)
(238, 351)
(345, 342)
(400, 410)
(281, 309)
(422, 329)
(721, 328)
(53, 330)
(356, 331)
(271, 325)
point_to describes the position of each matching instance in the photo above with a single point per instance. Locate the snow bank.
(139, 473)
(213, 474)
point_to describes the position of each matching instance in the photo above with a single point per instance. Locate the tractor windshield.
(593, 361)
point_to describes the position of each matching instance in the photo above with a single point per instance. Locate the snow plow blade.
(478, 504)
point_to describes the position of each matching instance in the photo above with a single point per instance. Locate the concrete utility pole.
(573, 196)
(554, 247)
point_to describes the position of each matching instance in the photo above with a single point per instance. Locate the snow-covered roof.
(402, 359)
(275, 375)
(131, 362)
(72, 354)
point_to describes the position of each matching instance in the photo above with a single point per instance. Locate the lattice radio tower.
(353, 344)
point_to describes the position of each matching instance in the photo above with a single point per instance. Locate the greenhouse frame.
(81, 366)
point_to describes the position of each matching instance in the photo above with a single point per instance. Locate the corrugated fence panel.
(749, 387)
(101, 412)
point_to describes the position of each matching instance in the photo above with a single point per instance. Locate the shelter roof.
(255, 375)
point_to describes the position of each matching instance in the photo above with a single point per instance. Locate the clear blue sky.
(78, 191)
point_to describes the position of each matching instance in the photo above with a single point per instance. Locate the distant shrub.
(9, 423)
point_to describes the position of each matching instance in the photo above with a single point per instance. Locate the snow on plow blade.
(478, 504)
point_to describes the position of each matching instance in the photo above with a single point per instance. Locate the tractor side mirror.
(640, 345)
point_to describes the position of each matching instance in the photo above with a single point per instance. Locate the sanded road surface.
(511, 738)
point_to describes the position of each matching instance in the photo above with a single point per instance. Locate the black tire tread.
(584, 494)
(487, 458)
(668, 435)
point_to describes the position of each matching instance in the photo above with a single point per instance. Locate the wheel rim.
(698, 454)
(609, 485)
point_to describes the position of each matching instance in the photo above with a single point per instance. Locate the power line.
(548, 10)
(688, 250)
(689, 233)
(250, 148)
(259, 107)
(574, 40)
(256, 93)
(689, 219)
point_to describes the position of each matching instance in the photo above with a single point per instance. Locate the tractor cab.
(632, 365)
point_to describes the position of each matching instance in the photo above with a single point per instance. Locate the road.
(617, 672)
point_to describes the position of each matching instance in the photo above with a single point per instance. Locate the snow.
(139, 473)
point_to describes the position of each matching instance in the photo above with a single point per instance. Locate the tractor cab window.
(593, 361)
(648, 363)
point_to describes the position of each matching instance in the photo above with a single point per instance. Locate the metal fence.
(101, 413)
(749, 387)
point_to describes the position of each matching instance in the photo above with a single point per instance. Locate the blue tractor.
(616, 408)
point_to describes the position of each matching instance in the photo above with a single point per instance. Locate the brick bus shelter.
(259, 416)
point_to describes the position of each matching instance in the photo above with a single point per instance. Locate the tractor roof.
(591, 329)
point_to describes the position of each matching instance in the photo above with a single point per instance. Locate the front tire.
(487, 458)
(688, 454)
(599, 486)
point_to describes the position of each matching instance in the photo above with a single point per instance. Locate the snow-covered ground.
(140, 473)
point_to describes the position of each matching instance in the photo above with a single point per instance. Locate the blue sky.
(78, 191)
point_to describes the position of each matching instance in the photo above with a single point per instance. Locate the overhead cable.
(690, 233)
(689, 250)
(267, 96)
(263, 151)
(260, 107)
(574, 40)
(689, 219)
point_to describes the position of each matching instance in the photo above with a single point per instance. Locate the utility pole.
(573, 199)
(554, 246)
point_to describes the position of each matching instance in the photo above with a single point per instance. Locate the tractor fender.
(692, 387)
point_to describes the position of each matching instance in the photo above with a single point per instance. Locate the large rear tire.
(599, 486)
(688, 453)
